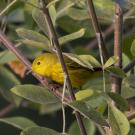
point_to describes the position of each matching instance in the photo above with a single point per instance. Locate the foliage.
(25, 25)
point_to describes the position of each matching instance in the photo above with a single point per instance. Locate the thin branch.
(97, 27)
(7, 8)
(61, 58)
(130, 66)
(116, 82)
(7, 43)
(93, 44)
(131, 116)
(6, 110)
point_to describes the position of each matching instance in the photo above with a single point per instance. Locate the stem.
(64, 68)
(97, 27)
(131, 116)
(63, 107)
(7, 8)
(7, 43)
(102, 61)
(116, 82)
(129, 66)
(93, 44)
(6, 110)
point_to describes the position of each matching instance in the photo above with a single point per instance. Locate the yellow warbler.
(48, 65)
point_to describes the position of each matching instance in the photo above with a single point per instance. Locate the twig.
(6, 110)
(93, 44)
(128, 67)
(97, 27)
(7, 8)
(131, 116)
(64, 68)
(116, 82)
(26, 62)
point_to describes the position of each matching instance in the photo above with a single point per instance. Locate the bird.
(48, 65)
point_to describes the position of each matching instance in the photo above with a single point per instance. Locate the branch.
(61, 58)
(116, 82)
(93, 44)
(129, 66)
(131, 116)
(97, 28)
(6, 110)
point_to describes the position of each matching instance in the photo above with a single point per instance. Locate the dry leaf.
(18, 67)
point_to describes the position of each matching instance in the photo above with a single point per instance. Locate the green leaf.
(88, 112)
(97, 101)
(39, 131)
(132, 49)
(6, 56)
(73, 26)
(83, 94)
(50, 108)
(34, 93)
(72, 36)
(116, 71)
(112, 60)
(132, 130)
(52, 12)
(18, 122)
(78, 60)
(127, 90)
(90, 60)
(7, 81)
(118, 121)
(87, 61)
(32, 35)
(63, 7)
(78, 14)
(89, 125)
(119, 100)
(131, 80)
(39, 18)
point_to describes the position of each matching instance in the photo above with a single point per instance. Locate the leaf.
(50, 108)
(116, 71)
(18, 67)
(119, 100)
(83, 94)
(132, 49)
(118, 121)
(32, 36)
(87, 61)
(39, 18)
(89, 125)
(34, 93)
(63, 7)
(39, 131)
(90, 60)
(72, 36)
(112, 60)
(132, 130)
(97, 101)
(88, 112)
(7, 81)
(34, 39)
(73, 26)
(131, 80)
(78, 14)
(18, 122)
(52, 12)
(6, 56)
(78, 60)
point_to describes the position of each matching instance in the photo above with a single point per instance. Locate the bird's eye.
(38, 63)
